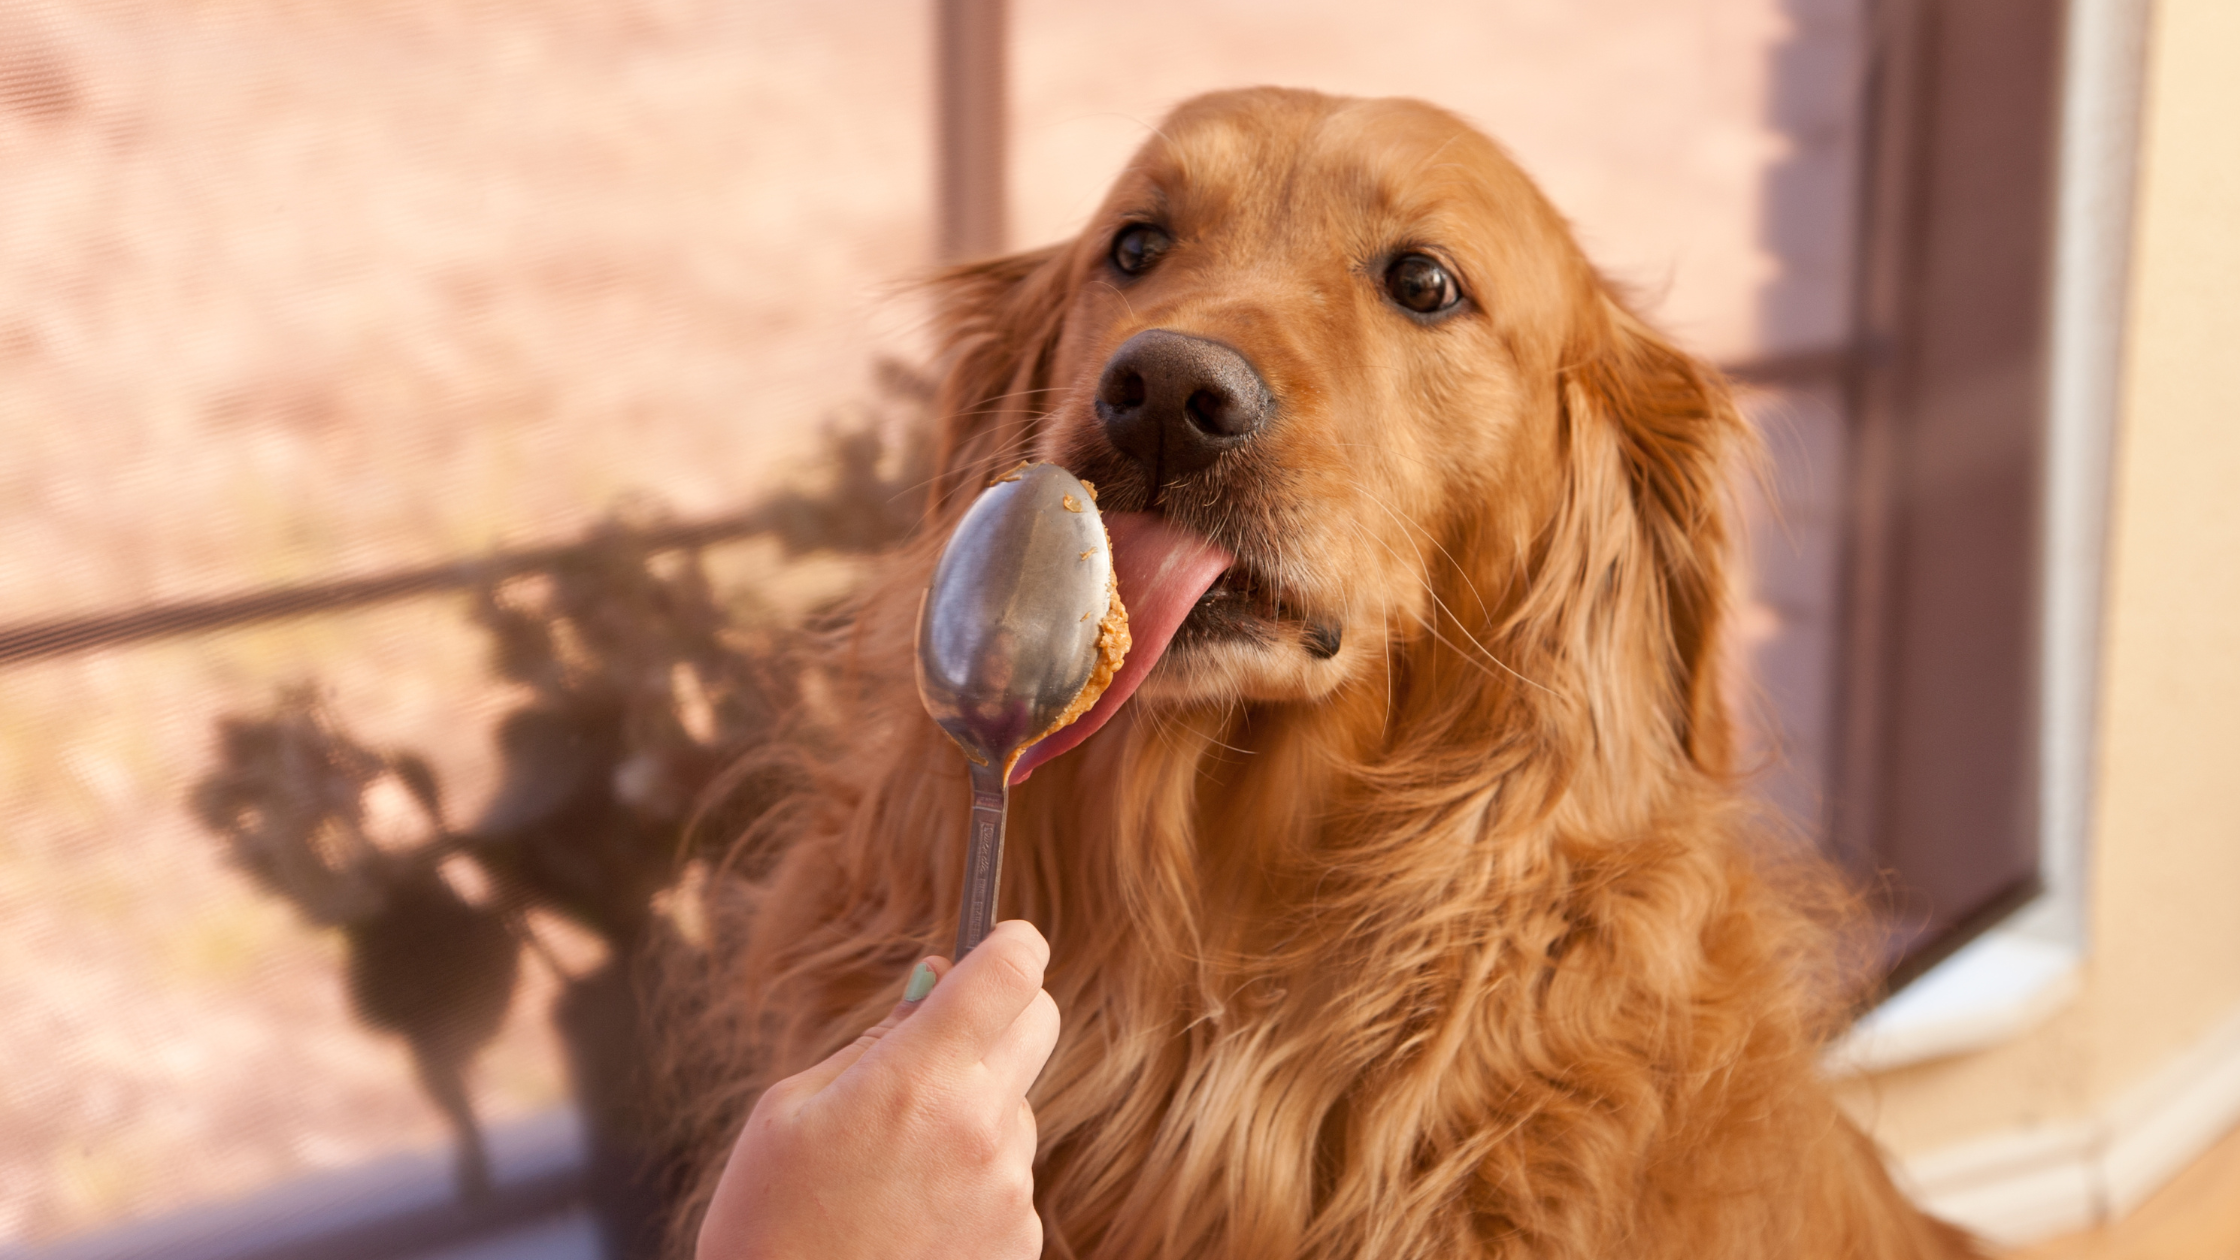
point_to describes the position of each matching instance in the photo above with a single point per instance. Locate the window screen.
(1937, 796)
(306, 295)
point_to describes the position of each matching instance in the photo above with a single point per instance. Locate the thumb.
(923, 977)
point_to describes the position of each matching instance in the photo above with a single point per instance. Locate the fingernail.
(921, 983)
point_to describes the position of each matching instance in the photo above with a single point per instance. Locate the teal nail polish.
(921, 983)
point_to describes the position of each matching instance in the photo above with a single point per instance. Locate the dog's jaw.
(1235, 669)
(1244, 642)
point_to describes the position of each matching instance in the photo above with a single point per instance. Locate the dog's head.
(1349, 343)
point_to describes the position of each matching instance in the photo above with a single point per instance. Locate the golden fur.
(1455, 944)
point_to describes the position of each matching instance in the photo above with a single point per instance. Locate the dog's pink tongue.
(1162, 571)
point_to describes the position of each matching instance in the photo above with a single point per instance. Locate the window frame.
(2014, 968)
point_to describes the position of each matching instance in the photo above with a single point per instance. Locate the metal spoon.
(1007, 637)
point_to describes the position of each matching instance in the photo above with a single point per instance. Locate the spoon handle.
(983, 864)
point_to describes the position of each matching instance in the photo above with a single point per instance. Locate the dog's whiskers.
(1408, 523)
(1441, 604)
(1430, 625)
(1120, 293)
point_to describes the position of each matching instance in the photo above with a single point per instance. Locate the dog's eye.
(1137, 246)
(1421, 284)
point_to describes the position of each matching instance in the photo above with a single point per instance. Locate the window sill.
(1995, 989)
(403, 1205)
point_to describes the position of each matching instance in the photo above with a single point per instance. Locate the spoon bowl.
(1008, 637)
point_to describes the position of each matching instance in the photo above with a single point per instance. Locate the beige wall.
(2163, 962)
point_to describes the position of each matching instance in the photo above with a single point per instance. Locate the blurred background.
(417, 418)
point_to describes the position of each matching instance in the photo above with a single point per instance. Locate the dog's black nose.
(1173, 402)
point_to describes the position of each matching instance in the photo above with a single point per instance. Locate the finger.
(979, 999)
(1016, 1059)
(923, 979)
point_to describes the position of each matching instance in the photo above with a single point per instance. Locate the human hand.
(913, 1141)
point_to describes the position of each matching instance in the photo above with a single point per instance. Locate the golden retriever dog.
(1410, 906)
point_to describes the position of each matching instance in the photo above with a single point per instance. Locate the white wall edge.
(1996, 988)
(2033, 1182)
(2103, 78)
(2156, 1129)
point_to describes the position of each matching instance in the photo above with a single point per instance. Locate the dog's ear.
(1653, 435)
(999, 322)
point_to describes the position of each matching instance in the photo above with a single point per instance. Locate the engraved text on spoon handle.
(983, 869)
